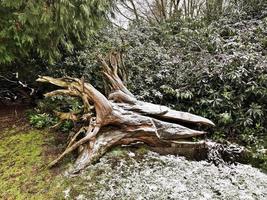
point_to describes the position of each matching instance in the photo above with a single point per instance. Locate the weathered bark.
(122, 119)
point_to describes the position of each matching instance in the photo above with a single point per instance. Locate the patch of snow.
(153, 176)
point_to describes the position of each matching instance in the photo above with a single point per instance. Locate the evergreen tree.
(43, 27)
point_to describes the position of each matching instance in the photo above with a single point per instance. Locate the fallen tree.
(121, 119)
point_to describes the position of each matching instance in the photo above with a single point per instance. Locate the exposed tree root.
(122, 119)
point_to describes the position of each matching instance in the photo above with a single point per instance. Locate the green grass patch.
(23, 158)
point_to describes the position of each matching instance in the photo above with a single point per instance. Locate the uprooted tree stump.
(121, 119)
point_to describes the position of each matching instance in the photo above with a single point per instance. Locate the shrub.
(41, 120)
(217, 71)
(45, 113)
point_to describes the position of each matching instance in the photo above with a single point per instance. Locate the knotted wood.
(121, 119)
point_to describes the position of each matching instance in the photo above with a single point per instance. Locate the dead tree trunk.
(121, 119)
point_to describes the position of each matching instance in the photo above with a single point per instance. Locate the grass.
(23, 157)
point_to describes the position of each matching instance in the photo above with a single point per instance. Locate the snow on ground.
(153, 176)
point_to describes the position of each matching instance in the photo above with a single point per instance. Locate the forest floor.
(123, 173)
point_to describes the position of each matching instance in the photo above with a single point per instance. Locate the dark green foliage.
(59, 103)
(252, 7)
(44, 28)
(41, 120)
(219, 72)
(44, 115)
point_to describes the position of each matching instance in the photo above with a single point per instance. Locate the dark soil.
(12, 115)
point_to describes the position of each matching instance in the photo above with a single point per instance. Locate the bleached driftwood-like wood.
(121, 119)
